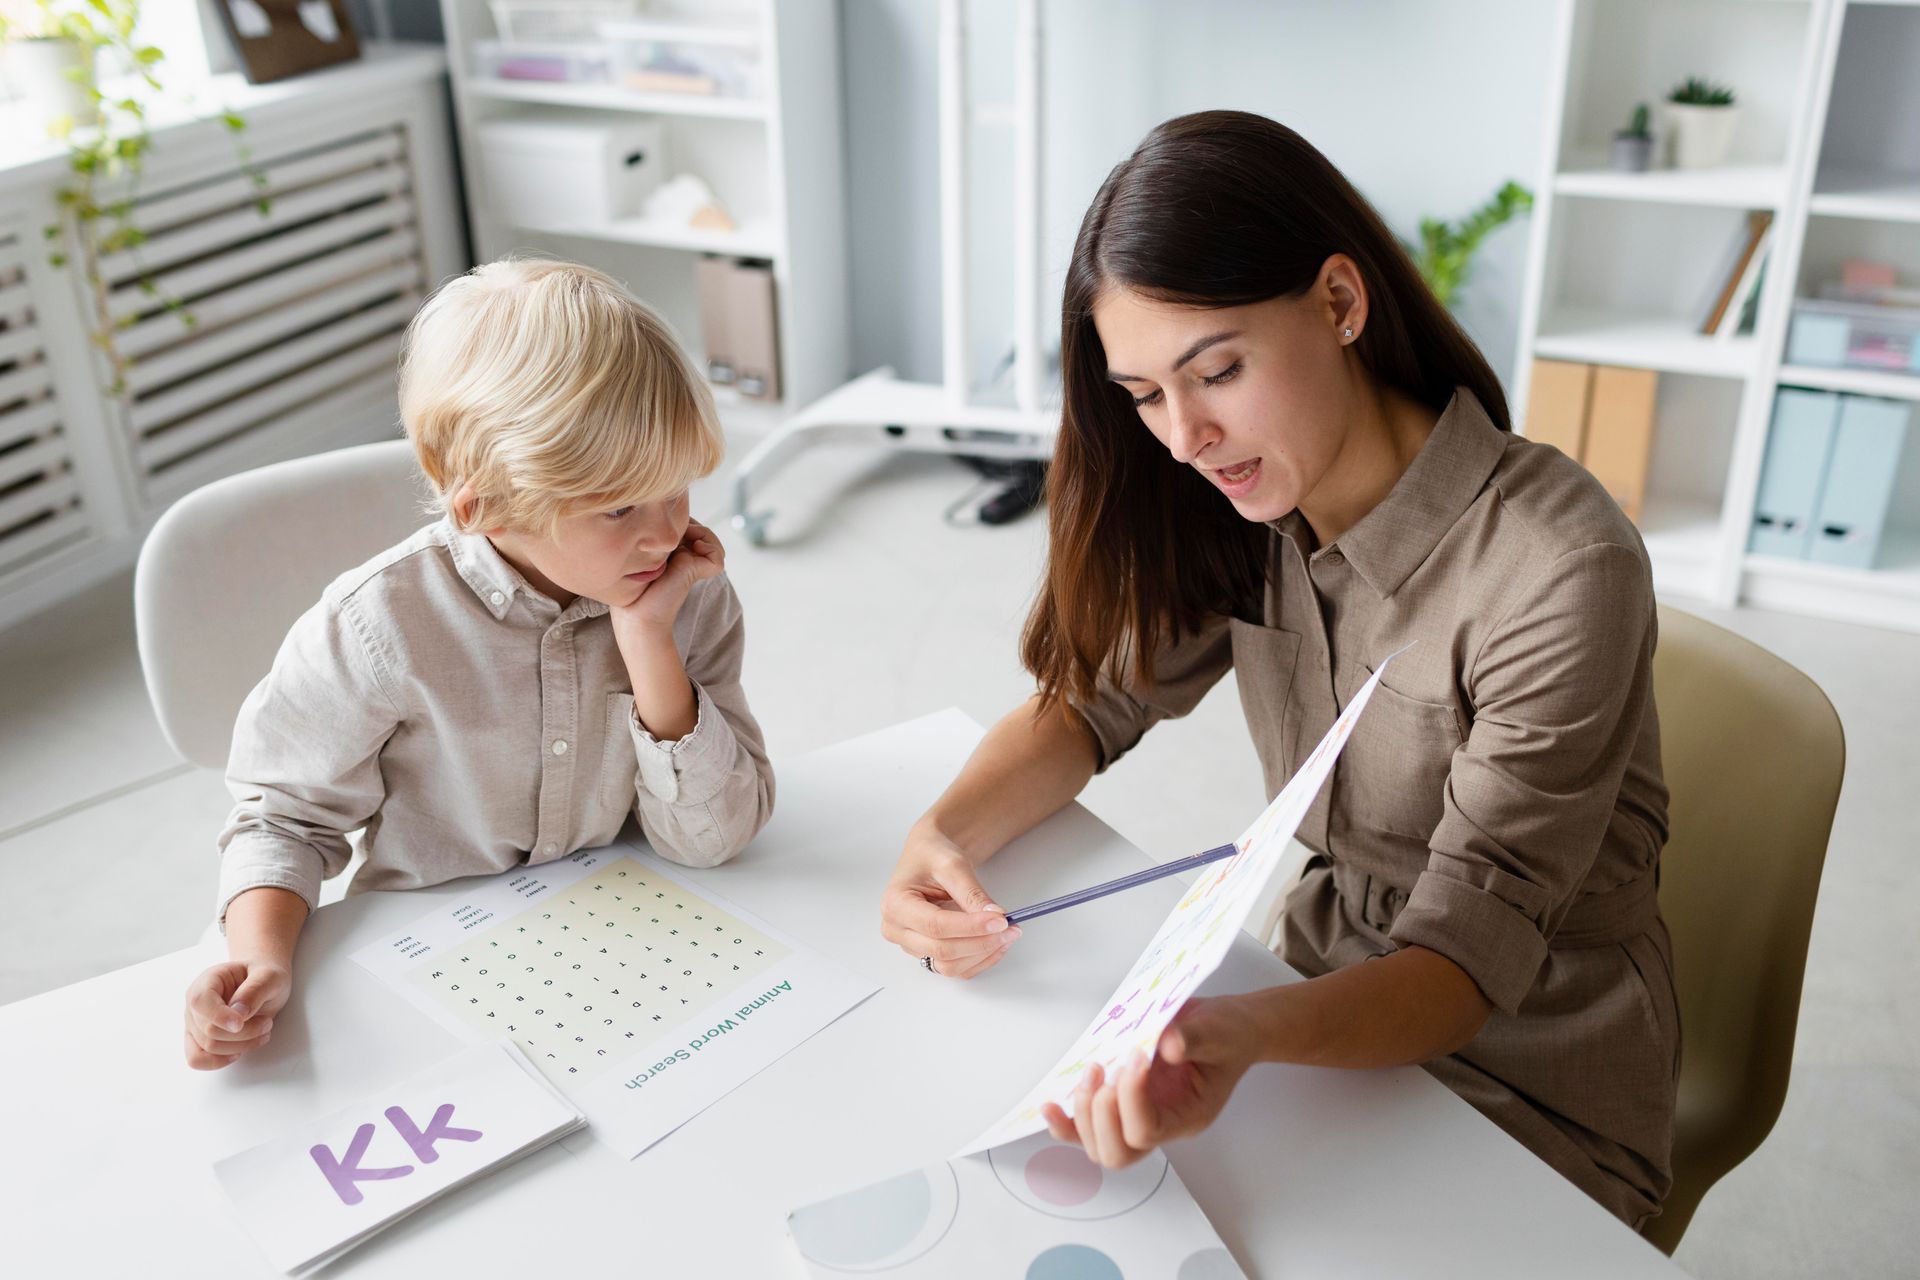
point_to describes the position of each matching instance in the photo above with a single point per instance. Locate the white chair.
(230, 566)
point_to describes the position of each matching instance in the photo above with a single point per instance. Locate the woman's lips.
(1238, 480)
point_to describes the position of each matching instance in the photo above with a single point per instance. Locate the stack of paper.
(309, 1196)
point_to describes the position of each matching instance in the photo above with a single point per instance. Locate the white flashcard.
(312, 1194)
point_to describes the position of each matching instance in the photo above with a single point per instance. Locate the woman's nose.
(1188, 432)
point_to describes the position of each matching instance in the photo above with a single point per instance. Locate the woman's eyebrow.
(1188, 354)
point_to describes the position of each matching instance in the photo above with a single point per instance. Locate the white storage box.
(567, 173)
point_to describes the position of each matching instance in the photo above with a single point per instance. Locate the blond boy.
(558, 651)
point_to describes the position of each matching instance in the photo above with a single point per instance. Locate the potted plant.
(1633, 145)
(46, 57)
(103, 122)
(1446, 249)
(1703, 117)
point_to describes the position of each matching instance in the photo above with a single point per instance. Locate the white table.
(108, 1137)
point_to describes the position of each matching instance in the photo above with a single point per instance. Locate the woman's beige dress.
(1501, 800)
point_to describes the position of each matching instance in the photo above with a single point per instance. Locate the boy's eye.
(619, 513)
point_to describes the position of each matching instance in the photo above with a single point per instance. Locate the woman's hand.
(230, 1010)
(934, 906)
(1202, 1055)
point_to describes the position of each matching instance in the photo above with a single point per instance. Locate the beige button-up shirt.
(470, 725)
(1501, 801)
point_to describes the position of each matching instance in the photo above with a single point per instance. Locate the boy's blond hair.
(551, 390)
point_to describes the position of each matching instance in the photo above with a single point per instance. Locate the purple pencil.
(1093, 892)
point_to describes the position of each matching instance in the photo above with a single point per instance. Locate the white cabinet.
(288, 333)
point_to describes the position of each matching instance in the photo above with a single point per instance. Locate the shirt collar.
(496, 582)
(1387, 544)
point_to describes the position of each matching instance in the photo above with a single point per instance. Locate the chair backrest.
(1753, 754)
(230, 566)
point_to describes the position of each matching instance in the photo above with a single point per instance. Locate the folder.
(753, 328)
(1620, 416)
(1799, 441)
(713, 277)
(1557, 405)
(1859, 481)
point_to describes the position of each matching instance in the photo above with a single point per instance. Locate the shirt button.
(552, 848)
(499, 597)
(1334, 556)
(559, 746)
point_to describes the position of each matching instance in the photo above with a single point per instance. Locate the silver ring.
(926, 962)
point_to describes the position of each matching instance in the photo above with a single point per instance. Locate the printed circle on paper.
(1069, 1185)
(881, 1226)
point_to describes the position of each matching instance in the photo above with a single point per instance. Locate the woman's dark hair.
(1217, 209)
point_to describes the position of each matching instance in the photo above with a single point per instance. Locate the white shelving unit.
(773, 159)
(1829, 143)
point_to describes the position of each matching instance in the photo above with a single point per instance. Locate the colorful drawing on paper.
(1035, 1208)
(1190, 943)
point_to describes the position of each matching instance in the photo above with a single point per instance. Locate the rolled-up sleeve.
(1559, 692)
(1120, 713)
(304, 767)
(701, 798)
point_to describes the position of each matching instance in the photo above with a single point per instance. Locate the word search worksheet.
(642, 998)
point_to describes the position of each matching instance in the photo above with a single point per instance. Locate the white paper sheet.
(1035, 1207)
(1190, 943)
(310, 1195)
(644, 998)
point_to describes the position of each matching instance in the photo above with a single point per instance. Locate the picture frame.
(275, 39)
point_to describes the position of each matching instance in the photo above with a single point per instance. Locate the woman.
(1279, 454)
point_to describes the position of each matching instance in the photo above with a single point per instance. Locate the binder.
(1557, 405)
(1620, 416)
(1859, 482)
(1799, 441)
(753, 329)
(713, 277)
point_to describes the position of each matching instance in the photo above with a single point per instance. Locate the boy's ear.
(461, 505)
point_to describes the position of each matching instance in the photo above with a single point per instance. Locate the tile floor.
(869, 609)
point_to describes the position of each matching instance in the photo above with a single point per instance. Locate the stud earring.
(1348, 333)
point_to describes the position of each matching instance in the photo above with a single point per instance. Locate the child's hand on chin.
(698, 557)
(230, 1010)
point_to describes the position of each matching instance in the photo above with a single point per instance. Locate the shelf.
(1642, 342)
(1885, 596)
(1865, 382)
(753, 239)
(607, 97)
(1682, 535)
(1887, 197)
(739, 35)
(1681, 530)
(1731, 186)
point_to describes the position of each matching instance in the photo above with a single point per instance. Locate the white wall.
(1427, 105)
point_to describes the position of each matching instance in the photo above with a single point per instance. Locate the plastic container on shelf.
(661, 57)
(535, 21)
(1859, 335)
(552, 62)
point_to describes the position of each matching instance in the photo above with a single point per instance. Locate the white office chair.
(230, 566)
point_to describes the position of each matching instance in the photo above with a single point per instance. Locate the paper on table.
(1032, 1208)
(1191, 942)
(644, 997)
(310, 1195)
